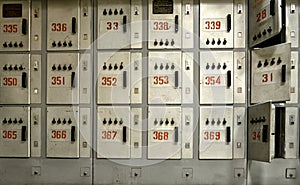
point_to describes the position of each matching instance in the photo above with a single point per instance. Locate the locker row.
(69, 27)
(170, 77)
(170, 131)
(170, 24)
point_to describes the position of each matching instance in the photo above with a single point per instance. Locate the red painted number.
(58, 80)
(161, 26)
(212, 80)
(261, 15)
(59, 27)
(161, 80)
(9, 134)
(256, 136)
(59, 134)
(112, 26)
(9, 81)
(109, 81)
(109, 135)
(212, 136)
(160, 135)
(10, 28)
(212, 25)
(267, 78)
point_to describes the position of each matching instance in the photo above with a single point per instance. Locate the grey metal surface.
(42, 170)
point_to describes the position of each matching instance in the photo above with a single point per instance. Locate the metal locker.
(216, 77)
(63, 78)
(271, 71)
(119, 24)
(15, 129)
(119, 132)
(267, 21)
(62, 132)
(15, 24)
(119, 78)
(164, 133)
(215, 132)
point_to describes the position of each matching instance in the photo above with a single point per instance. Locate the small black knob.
(207, 42)
(161, 122)
(172, 122)
(269, 29)
(167, 121)
(207, 66)
(70, 67)
(259, 64)
(172, 66)
(224, 121)
(172, 43)
(279, 61)
(272, 61)
(213, 42)
(207, 121)
(213, 66)
(266, 63)
(161, 43)
(161, 67)
(167, 66)
(53, 67)
(224, 66)
(259, 35)
(104, 12)
(167, 42)
(116, 67)
(104, 66)
(254, 38)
